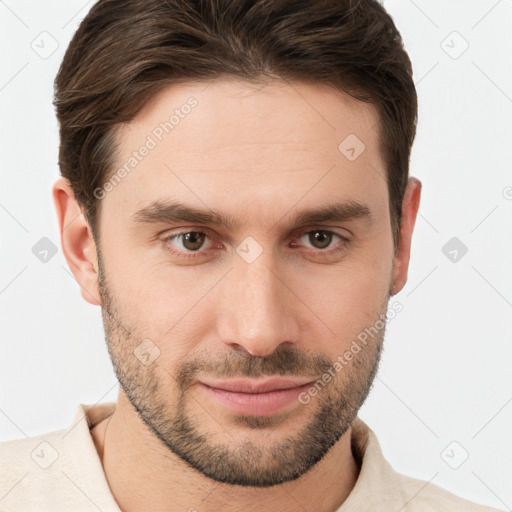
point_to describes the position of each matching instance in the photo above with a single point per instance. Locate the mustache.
(288, 361)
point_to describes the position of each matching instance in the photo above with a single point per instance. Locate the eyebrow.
(176, 211)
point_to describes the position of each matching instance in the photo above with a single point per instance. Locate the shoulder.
(20, 450)
(380, 487)
(31, 466)
(38, 452)
(422, 496)
(59, 470)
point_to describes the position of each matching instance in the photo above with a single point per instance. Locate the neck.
(143, 474)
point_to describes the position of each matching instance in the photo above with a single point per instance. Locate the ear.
(410, 206)
(77, 241)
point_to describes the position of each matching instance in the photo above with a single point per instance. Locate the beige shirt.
(61, 471)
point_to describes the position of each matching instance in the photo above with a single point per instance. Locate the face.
(243, 243)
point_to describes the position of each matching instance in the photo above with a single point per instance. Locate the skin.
(259, 154)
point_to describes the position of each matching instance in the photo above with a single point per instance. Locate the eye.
(196, 243)
(322, 239)
(186, 243)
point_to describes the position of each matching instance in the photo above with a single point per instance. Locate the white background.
(445, 374)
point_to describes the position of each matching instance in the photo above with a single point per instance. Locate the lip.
(256, 386)
(256, 397)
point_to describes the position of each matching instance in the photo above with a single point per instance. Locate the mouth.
(256, 397)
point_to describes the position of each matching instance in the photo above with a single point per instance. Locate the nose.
(257, 311)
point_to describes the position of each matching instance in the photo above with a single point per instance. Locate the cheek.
(176, 307)
(347, 299)
(172, 309)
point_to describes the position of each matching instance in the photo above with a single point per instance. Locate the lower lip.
(256, 404)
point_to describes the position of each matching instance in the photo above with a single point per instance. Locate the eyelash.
(187, 255)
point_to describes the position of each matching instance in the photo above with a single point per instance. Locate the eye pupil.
(320, 239)
(193, 240)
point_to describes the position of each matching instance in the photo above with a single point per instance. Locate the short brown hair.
(125, 51)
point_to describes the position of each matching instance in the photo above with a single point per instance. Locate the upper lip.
(257, 386)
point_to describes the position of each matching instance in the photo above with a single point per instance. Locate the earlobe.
(410, 206)
(77, 241)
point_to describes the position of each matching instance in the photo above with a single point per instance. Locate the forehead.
(233, 117)
(232, 143)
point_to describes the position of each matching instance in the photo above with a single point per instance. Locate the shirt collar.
(374, 484)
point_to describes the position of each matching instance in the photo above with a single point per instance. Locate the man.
(236, 198)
